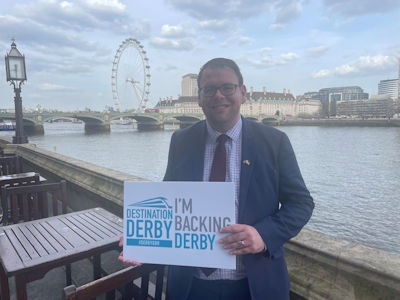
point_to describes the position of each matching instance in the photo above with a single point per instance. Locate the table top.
(56, 240)
(21, 175)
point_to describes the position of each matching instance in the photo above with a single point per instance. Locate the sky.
(299, 45)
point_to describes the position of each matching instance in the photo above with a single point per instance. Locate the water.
(353, 173)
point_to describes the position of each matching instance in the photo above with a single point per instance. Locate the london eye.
(130, 77)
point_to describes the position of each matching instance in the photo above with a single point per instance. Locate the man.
(272, 201)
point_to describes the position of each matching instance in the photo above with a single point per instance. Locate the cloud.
(34, 33)
(364, 7)
(216, 24)
(269, 60)
(244, 40)
(276, 26)
(285, 11)
(321, 73)
(265, 50)
(51, 87)
(238, 39)
(64, 61)
(173, 44)
(317, 51)
(205, 10)
(173, 31)
(364, 65)
(167, 68)
(84, 15)
(59, 34)
(173, 37)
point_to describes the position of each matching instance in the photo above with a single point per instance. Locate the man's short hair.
(220, 62)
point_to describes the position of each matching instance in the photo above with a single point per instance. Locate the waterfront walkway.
(320, 266)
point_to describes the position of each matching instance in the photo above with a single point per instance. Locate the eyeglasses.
(227, 89)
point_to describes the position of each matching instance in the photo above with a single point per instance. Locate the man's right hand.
(125, 261)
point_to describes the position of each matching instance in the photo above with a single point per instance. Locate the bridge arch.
(145, 121)
(270, 120)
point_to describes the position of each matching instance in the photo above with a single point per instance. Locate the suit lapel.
(248, 162)
(195, 157)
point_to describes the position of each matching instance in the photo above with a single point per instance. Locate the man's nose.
(218, 94)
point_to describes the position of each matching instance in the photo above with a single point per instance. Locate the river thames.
(353, 173)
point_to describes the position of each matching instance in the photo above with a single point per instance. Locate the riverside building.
(189, 85)
(389, 87)
(257, 105)
(279, 104)
(379, 106)
(330, 96)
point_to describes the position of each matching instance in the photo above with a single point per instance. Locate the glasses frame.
(216, 88)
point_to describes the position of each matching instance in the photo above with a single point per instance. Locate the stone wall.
(320, 266)
(323, 267)
(88, 185)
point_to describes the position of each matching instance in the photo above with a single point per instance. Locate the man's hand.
(125, 261)
(244, 239)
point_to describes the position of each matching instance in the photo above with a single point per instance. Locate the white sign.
(178, 223)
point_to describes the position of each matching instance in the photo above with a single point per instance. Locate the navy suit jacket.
(273, 198)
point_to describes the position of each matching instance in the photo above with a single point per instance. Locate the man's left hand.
(244, 239)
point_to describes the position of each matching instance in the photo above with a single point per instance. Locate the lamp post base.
(20, 140)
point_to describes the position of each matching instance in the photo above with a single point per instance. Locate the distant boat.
(122, 121)
(7, 126)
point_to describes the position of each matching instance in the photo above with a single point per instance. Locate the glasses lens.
(209, 90)
(228, 89)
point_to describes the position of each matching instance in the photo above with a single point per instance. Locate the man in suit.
(272, 201)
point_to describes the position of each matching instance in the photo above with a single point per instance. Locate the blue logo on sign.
(157, 202)
(149, 223)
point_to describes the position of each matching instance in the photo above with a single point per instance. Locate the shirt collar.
(233, 133)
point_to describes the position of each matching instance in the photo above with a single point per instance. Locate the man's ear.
(199, 101)
(243, 93)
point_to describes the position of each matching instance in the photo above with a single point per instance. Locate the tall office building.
(389, 87)
(329, 97)
(398, 83)
(189, 85)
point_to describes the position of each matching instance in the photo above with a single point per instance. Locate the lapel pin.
(246, 162)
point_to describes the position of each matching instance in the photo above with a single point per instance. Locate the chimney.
(284, 91)
(264, 91)
(288, 91)
(251, 91)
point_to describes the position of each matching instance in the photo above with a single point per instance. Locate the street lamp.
(16, 73)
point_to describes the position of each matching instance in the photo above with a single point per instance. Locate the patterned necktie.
(218, 173)
(218, 168)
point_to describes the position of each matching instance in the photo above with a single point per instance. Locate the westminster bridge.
(100, 121)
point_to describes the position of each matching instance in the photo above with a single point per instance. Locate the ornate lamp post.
(16, 74)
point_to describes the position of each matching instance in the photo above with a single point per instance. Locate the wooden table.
(29, 250)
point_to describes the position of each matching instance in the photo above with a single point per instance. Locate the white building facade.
(389, 87)
(189, 85)
(269, 104)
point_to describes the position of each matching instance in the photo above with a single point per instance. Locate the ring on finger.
(242, 244)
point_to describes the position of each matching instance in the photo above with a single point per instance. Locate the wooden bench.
(10, 165)
(125, 281)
